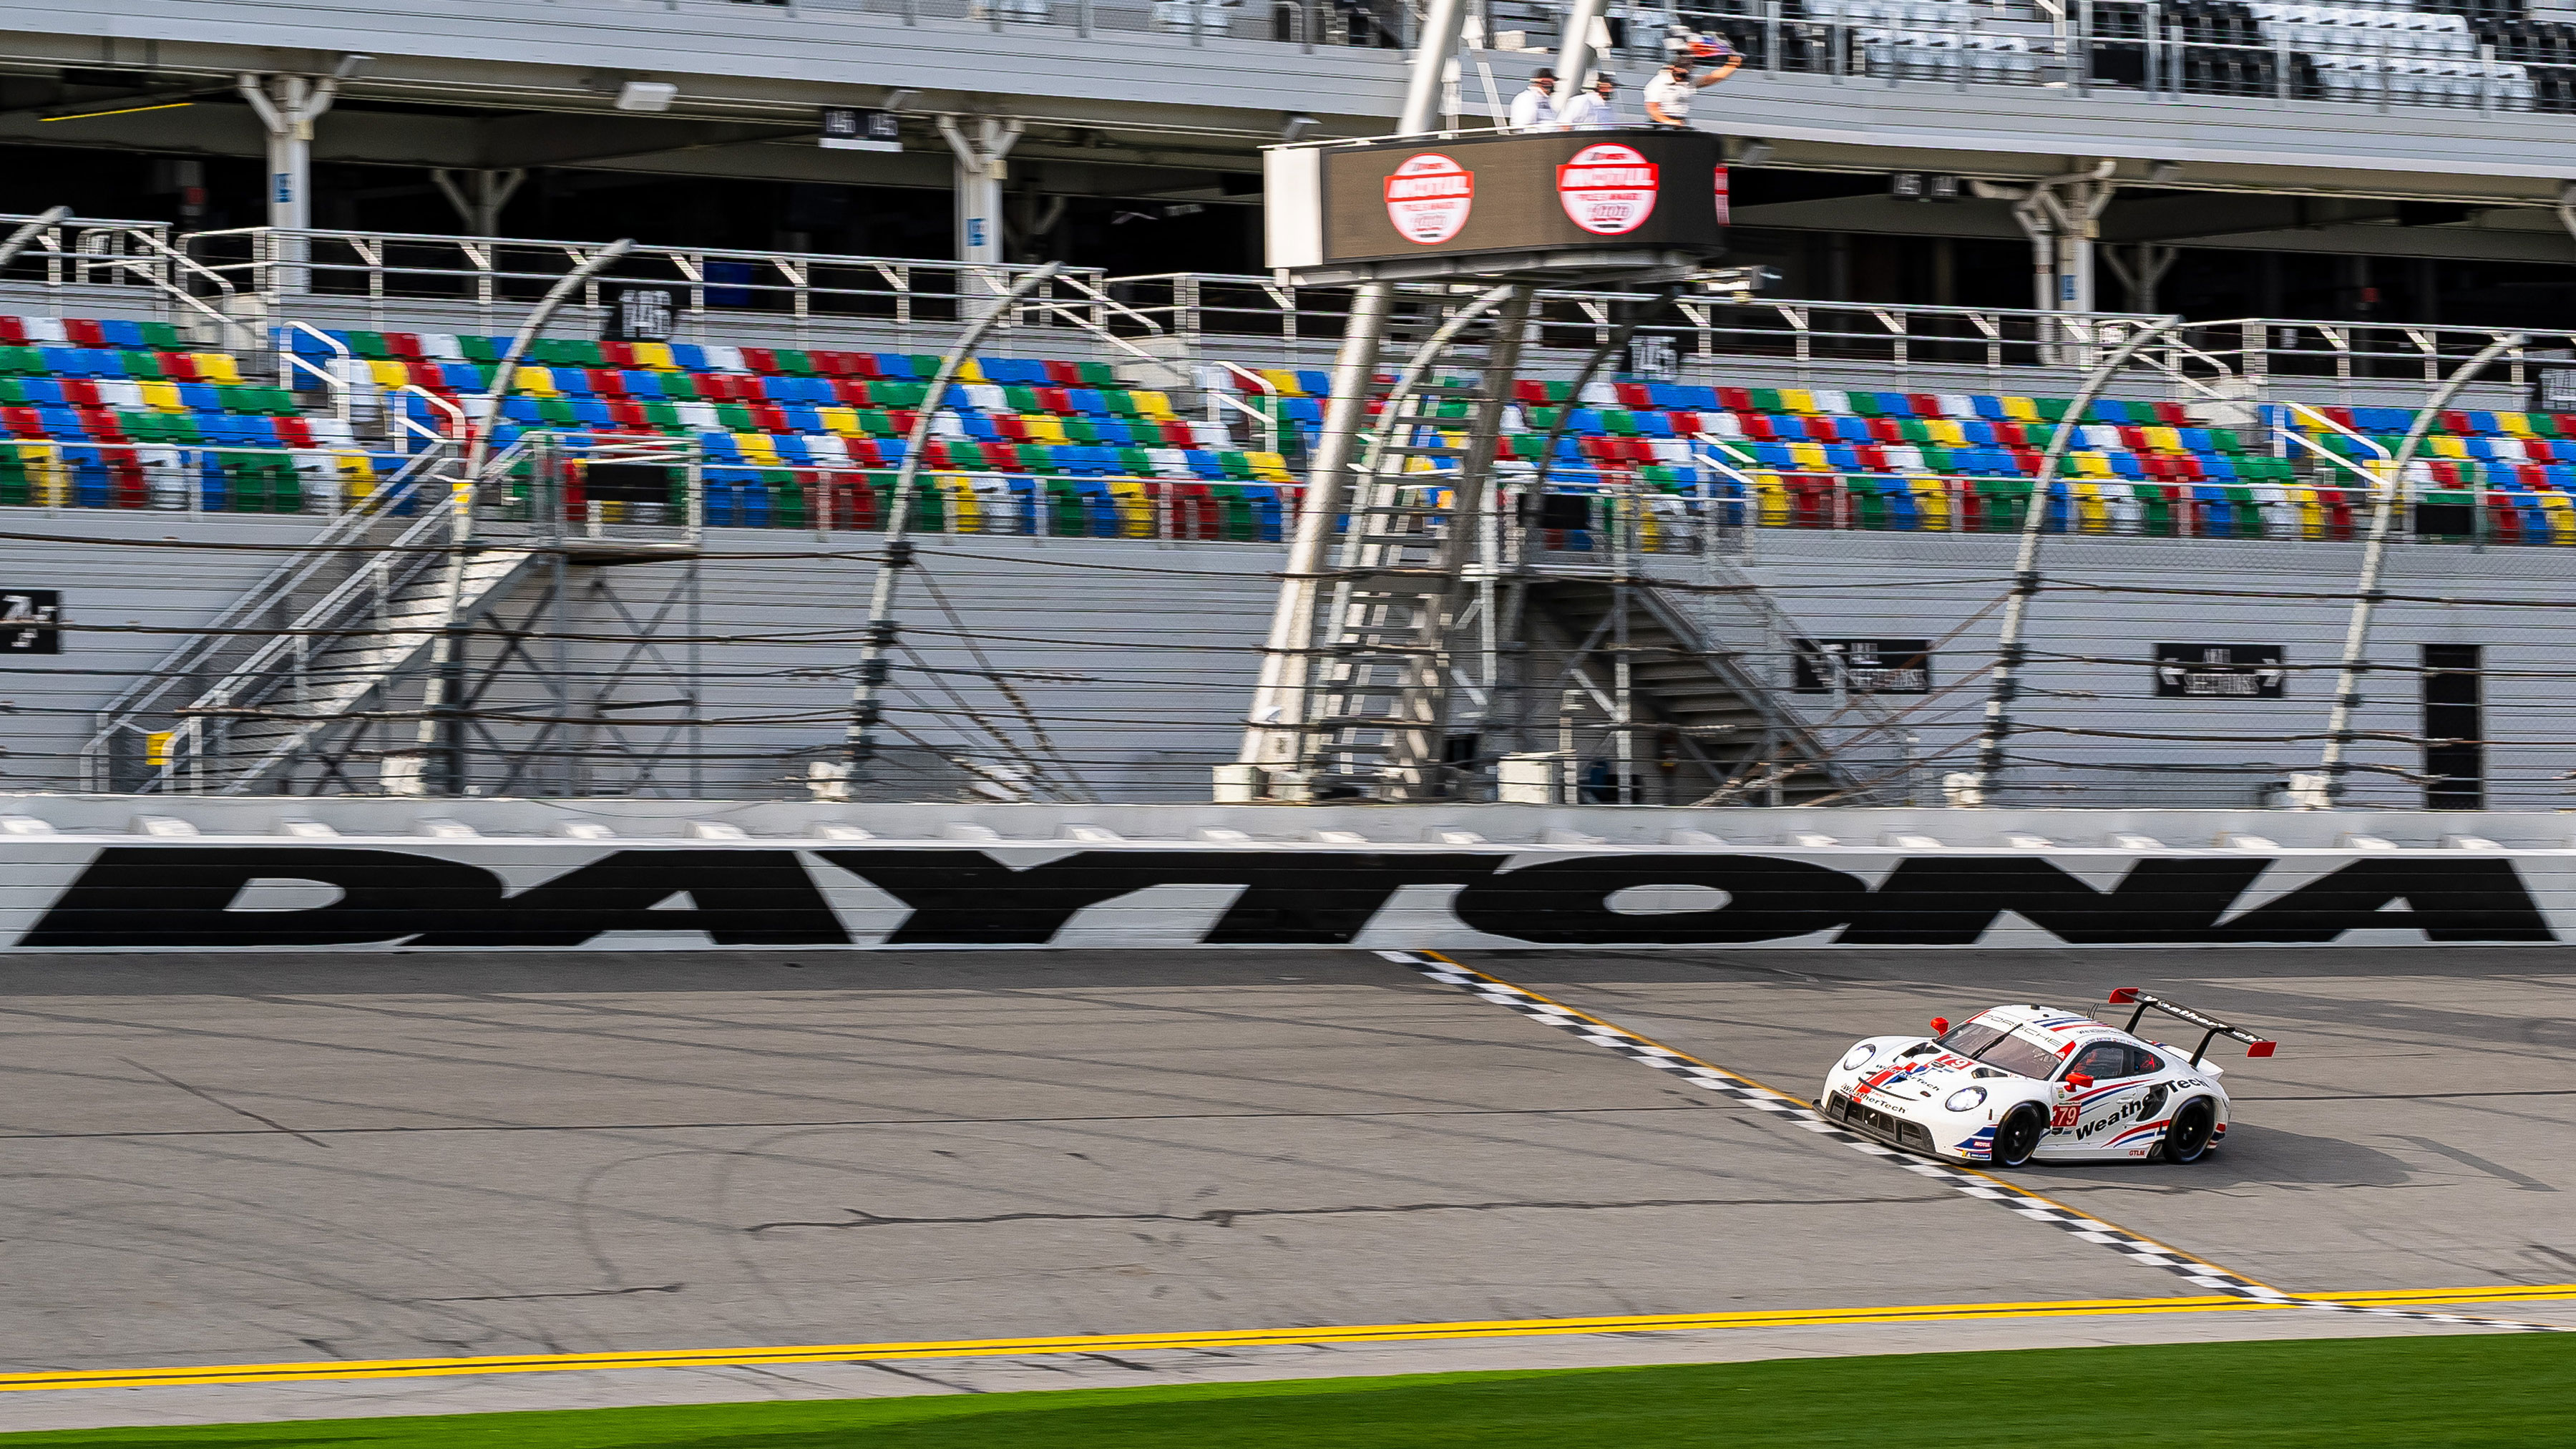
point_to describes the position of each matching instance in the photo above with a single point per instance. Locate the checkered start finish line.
(1745, 1092)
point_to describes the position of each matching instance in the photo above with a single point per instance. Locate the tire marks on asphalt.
(1967, 1182)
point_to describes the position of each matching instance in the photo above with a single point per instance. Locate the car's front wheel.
(2017, 1136)
(2187, 1140)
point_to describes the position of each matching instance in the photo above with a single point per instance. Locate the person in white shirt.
(1668, 95)
(1594, 110)
(1535, 108)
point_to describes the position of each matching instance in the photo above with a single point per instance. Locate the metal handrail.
(176, 669)
(1268, 421)
(326, 614)
(335, 379)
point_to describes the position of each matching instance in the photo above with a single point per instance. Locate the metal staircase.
(1689, 722)
(1378, 722)
(371, 654)
(153, 737)
(1448, 635)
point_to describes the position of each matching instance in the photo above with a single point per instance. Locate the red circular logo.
(1608, 190)
(1428, 198)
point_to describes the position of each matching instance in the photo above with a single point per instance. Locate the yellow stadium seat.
(2092, 510)
(217, 367)
(2163, 440)
(536, 381)
(1269, 467)
(1135, 507)
(1044, 428)
(1284, 380)
(2313, 519)
(1771, 500)
(1798, 400)
(1946, 432)
(163, 397)
(2446, 447)
(656, 356)
(2020, 409)
(1154, 405)
(46, 485)
(2090, 463)
(388, 374)
(971, 370)
(757, 448)
(357, 475)
(1931, 502)
(957, 492)
(2515, 424)
(844, 421)
(2560, 511)
(1808, 455)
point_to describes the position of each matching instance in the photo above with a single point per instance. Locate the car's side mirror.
(2078, 1080)
(1940, 1026)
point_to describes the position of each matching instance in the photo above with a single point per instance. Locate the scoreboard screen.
(1524, 195)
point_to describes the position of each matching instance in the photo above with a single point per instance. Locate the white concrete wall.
(114, 874)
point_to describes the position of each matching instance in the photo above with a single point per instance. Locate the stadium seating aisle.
(115, 414)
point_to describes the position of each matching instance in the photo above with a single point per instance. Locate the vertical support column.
(479, 200)
(287, 107)
(982, 165)
(1574, 53)
(2062, 217)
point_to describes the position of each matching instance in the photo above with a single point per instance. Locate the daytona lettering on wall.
(1428, 198)
(1608, 190)
(129, 897)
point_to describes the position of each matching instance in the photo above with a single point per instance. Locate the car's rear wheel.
(2017, 1136)
(2187, 1140)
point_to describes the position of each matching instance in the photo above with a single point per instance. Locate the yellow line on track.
(331, 1369)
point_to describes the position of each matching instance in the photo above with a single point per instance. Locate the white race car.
(2020, 1082)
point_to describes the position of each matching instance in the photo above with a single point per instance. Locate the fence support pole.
(2008, 646)
(2374, 558)
(444, 725)
(866, 710)
(27, 232)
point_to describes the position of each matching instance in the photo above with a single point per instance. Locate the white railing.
(491, 281)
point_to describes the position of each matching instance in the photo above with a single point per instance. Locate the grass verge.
(2448, 1390)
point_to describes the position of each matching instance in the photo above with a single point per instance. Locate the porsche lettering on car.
(2017, 1083)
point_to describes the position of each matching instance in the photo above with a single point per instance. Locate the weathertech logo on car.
(1608, 190)
(1428, 198)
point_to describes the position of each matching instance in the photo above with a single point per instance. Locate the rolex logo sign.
(1607, 190)
(1428, 198)
(1341, 211)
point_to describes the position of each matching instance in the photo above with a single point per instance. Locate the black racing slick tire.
(2187, 1140)
(2017, 1136)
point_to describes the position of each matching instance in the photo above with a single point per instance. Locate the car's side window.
(2143, 1061)
(2103, 1061)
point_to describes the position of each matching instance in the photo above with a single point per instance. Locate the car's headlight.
(1965, 1098)
(1859, 1057)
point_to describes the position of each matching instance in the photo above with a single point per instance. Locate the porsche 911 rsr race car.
(2019, 1082)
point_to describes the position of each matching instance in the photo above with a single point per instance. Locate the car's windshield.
(1997, 1047)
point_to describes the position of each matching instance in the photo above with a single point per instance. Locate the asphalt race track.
(240, 1159)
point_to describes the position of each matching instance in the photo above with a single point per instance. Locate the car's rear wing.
(2212, 1027)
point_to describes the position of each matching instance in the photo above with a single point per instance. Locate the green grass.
(2414, 1392)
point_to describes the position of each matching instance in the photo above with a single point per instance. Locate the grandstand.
(274, 374)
